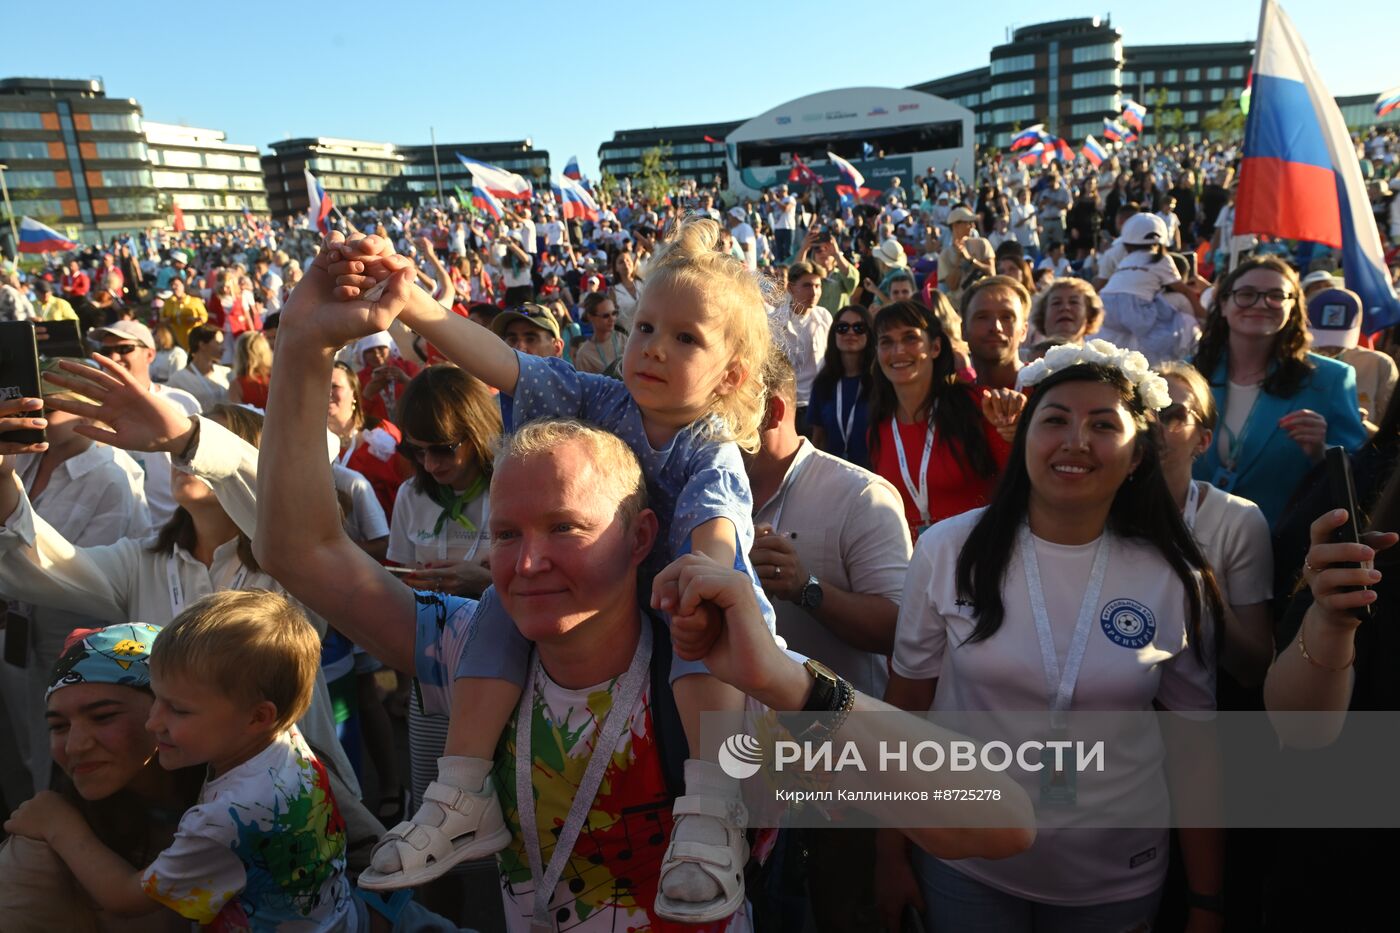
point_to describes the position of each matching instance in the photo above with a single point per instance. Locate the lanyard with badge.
(846, 423)
(917, 492)
(1193, 503)
(177, 588)
(628, 690)
(1058, 785)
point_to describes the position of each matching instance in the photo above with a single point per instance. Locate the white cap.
(1144, 230)
(380, 339)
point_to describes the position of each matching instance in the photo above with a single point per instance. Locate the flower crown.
(1151, 388)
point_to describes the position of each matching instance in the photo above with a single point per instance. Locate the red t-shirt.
(386, 476)
(952, 487)
(384, 404)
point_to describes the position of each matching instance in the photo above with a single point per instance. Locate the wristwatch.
(810, 596)
(830, 694)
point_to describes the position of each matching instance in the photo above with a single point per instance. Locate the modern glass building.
(211, 180)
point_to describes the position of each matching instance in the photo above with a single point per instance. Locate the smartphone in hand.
(1342, 492)
(19, 373)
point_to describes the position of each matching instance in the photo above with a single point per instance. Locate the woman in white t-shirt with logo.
(1078, 588)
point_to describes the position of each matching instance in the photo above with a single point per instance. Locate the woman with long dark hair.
(1078, 588)
(1280, 405)
(839, 409)
(927, 434)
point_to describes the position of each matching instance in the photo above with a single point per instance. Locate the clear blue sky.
(567, 74)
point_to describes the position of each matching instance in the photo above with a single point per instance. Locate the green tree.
(607, 188)
(654, 178)
(1226, 122)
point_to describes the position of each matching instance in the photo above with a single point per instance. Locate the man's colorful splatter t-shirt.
(610, 881)
(262, 849)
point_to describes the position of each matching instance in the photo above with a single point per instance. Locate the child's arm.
(716, 539)
(464, 342)
(107, 877)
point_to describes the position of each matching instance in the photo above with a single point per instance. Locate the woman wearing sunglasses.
(841, 391)
(1280, 405)
(450, 424)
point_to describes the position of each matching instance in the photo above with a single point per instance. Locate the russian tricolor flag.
(848, 171)
(1062, 150)
(571, 169)
(1300, 178)
(318, 205)
(1035, 153)
(1114, 131)
(498, 181)
(1093, 151)
(1133, 113)
(1028, 137)
(1387, 101)
(34, 237)
(575, 201)
(486, 202)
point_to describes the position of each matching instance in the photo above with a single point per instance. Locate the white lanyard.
(783, 490)
(1060, 684)
(918, 493)
(629, 688)
(344, 458)
(846, 424)
(177, 588)
(1193, 502)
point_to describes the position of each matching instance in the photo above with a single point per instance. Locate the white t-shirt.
(748, 241)
(366, 521)
(1142, 275)
(413, 540)
(1234, 536)
(785, 213)
(1059, 266)
(209, 389)
(1111, 257)
(1122, 670)
(264, 841)
(803, 339)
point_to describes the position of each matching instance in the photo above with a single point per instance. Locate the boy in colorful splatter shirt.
(263, 848)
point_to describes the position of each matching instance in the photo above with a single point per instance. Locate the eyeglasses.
(419, 452)
(1176, 417)
(1249, 297)
(846, 327)
(121, 349)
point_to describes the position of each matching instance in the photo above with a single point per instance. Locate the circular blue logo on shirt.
(1128, 623)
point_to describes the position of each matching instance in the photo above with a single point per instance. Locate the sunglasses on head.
(848, 327)
(419, 452)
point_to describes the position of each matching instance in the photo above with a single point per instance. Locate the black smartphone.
(64, 338)
(19, 372)
(1343, 495)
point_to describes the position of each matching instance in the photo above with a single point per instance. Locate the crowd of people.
(1049, 438)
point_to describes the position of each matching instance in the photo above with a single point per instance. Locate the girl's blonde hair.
(252, 356)
(689, 259)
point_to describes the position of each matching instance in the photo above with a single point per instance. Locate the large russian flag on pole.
(1300, 178)
(1093, 151)
(1029, 136)
(34, 237)
(318, 205)
(571, 169)
(575, 201)
(498, 181)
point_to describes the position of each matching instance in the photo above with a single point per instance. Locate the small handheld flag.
(1133, 113)
(1093, 151)
(1028, 136)
(575, 201)
(34, 237)
(571, 169)
(802, 173)
(318, 205)
(487, 203)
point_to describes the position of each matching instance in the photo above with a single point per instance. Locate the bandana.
(454, 506)
(117, 654)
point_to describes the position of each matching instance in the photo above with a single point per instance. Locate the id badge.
(1058, 786)
(1224, 479)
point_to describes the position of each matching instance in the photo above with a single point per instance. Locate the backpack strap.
(668, 731)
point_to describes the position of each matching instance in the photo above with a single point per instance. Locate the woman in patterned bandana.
(98, 700)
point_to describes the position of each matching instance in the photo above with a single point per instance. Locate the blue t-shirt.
(847, 429)
(690, 481)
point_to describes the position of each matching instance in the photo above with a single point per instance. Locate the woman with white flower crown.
(1078, 588)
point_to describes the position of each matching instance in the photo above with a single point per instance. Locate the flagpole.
(437, 168)
(5, 191)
